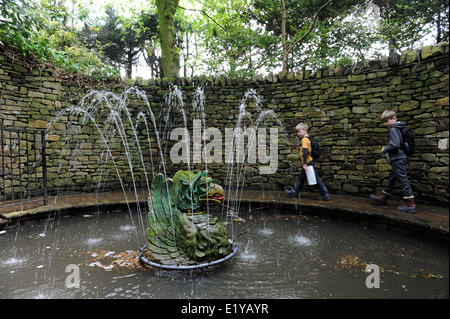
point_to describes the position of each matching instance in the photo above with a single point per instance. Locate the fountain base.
(202, 266)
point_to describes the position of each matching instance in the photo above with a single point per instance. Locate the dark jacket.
(393, 149)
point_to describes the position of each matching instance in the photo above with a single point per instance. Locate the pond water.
(281, 255)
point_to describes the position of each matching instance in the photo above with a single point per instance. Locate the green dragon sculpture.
(178, 233)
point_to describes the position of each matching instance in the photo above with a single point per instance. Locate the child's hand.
(305, 166)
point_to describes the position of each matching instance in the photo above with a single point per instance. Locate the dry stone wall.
(341, 104)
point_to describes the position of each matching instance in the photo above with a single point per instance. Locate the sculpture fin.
(162, 216)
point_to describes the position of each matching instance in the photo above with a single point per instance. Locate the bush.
(40, 32)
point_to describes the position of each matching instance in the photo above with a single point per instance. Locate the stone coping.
(429, 221)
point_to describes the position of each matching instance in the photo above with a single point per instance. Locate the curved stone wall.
(342, 105)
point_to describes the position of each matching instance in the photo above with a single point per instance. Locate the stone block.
(52, 85)
(37, 124)
(34, 94)
(409, 105)
(433, 50)
(356, 77)
(360, 110)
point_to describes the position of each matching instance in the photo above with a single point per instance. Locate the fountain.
(180, 236)
(113, 119)
(282, 255)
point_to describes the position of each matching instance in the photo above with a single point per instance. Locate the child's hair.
(388, 115)
(301, 126)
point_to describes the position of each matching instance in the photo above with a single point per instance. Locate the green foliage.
(39, 30)
(234, 38)
(404, 23)
(231, 45)
(244, 37)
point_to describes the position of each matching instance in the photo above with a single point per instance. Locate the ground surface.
(430, 220)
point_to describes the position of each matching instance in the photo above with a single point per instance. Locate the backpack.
(315, 149)
(408, 144)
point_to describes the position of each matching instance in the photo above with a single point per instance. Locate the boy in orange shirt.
(307, 162)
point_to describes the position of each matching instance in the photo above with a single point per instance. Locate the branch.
(203, 12)
(310, 28)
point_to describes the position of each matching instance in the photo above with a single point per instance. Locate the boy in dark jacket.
(398, 159)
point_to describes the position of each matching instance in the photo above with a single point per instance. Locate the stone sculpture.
(179, 233)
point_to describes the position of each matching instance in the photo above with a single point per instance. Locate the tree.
(167, 37)
(230, 43)
(39, 30)
(406, 22)
(132, 48)
(147, 28)
(108, 33)
(298, 28)
(119, 37)
(287, 48)
(440, 19)
(148, 31)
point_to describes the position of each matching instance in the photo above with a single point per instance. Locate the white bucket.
(311, 176)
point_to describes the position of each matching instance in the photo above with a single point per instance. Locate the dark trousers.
(398, 173)
(301, 181)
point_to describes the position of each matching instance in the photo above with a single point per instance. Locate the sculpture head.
(189, 191)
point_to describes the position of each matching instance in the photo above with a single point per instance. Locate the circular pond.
(281, 255)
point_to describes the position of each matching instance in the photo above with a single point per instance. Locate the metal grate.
(23, 169)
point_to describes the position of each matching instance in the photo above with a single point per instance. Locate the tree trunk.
(129, 65)
(169, 53)
(283, 35)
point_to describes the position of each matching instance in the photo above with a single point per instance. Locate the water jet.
(282, 255)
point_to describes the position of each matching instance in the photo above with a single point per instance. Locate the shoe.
(325, 197)
(380, 197)
(291, 192)
(408, 205)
